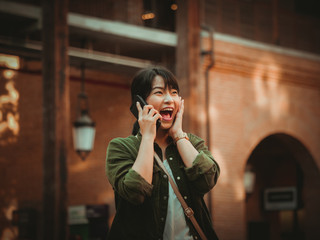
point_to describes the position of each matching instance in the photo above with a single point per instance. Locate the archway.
(283, 203)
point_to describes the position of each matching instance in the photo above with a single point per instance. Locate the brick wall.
(254, 94)
(21, 159)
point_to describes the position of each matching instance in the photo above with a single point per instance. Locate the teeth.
(167, 109)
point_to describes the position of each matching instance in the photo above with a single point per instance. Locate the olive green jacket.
(141, 207)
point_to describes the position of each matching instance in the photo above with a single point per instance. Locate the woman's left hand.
(177, 125)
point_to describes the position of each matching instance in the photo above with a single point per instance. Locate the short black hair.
(142, 81)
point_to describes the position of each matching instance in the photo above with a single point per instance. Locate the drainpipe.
(210, 54)
(210, 65)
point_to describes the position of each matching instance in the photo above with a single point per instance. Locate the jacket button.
(178, 178)
(165, 198)
(185, 197)
(162, 219)
(165, 176)
(170, 158)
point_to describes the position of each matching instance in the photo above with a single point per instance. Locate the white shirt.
(176, 227)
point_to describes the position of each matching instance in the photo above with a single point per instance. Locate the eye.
(158, 92)
(174, 92)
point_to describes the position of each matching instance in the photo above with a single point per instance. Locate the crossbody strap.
(187, 210)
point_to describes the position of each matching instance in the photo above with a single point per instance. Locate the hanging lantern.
(83, 128)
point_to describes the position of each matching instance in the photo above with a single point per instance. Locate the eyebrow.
(162, 88)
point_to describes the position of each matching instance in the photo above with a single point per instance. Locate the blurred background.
(249, 73)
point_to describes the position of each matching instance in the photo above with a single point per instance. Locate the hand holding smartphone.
(135, 111)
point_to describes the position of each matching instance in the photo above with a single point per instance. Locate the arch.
(294, 127)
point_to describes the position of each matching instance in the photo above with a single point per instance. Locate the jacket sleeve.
(124, 180)
(204, 172)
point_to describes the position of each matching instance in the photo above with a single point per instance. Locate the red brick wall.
(256, 93)
(109, 108)
(21, 160)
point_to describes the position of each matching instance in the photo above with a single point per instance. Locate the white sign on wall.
(284, 198)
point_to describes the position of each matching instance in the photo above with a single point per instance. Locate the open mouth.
(166, 114)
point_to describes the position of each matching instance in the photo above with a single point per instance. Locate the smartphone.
(134, 108)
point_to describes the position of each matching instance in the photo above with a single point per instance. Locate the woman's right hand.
(148, 117)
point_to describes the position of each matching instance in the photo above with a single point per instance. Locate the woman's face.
(164, 100)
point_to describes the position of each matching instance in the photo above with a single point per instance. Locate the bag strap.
(187, 210)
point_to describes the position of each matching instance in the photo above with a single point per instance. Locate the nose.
(168, 98)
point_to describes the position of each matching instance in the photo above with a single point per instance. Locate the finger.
(138, 106)
(157, 116)
(180, 103)
(147, 108)
(139, 109)
(152, 112)
(182, 107)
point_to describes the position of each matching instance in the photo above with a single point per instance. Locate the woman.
(146, 206)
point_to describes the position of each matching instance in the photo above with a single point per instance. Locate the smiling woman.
(147, 207)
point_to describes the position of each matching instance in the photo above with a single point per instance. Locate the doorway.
(282, 202)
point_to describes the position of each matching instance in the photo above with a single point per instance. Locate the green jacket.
(141, 207)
